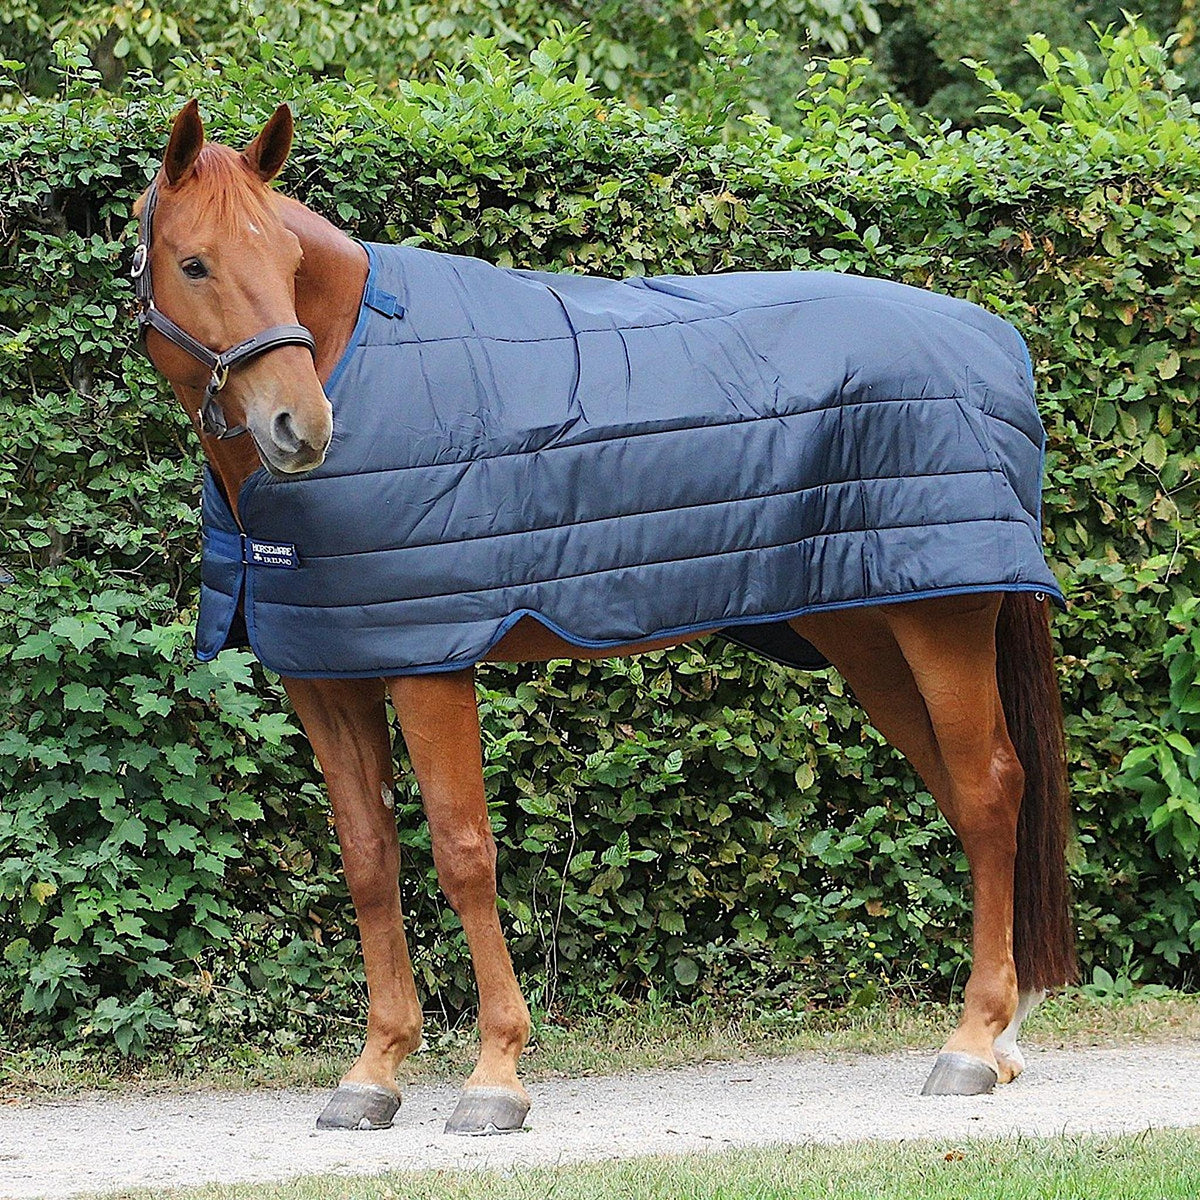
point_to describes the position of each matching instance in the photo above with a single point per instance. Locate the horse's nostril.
(283, 431)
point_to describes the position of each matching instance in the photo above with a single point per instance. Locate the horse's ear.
(268, 152)
(187, 140)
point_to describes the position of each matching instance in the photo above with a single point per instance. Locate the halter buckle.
(141, 256)
(220, 377)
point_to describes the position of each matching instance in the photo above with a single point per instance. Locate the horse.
(963, 685)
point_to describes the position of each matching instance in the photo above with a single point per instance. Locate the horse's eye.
(193, 268)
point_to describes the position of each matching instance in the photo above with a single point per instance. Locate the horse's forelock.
(226, 191)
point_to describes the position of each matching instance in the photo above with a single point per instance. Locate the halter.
(212, 418)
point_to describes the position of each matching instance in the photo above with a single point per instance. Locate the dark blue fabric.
(626, 459)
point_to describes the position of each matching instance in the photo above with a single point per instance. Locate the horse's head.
(223, 270)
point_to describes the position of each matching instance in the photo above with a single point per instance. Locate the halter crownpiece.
(212, 417)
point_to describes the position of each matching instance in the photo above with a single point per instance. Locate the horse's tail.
(1043, 929)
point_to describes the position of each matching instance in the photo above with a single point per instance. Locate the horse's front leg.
(346, 721)
(440, 721)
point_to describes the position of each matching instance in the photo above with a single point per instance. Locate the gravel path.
(103, 1144)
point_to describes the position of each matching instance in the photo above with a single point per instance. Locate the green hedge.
(685, 822)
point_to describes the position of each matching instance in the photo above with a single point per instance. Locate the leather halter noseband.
(212, 418)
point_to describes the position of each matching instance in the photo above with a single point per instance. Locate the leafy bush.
(636, 48)
(922, 45)
(1164, 764)
(685, 822)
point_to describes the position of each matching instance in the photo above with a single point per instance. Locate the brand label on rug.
(271, 554)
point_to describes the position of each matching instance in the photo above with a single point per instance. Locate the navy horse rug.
(624, 460)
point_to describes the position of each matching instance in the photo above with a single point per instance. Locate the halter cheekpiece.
(212, 418)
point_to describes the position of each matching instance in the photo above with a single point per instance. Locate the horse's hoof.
(484, 1110)
(958, 1074)
(360, 1106)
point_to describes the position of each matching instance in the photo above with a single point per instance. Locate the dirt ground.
(98, 1143)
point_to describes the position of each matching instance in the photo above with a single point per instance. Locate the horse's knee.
(466, 867)
(371, 862)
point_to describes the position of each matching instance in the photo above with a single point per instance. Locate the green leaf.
(686, 971)
(37, 645)
(79, 697)
(1168, 368)
(178, 837)
(129, 831)
(16, 949)
(241, 807)
(81, 633)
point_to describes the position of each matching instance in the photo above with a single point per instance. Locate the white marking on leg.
(1006, 1043)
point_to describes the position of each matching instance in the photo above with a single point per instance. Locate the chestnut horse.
(964, 686)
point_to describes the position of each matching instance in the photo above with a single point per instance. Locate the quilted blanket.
(625, 459)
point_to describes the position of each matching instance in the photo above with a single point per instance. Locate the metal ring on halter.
(220, 377)
(212, 417)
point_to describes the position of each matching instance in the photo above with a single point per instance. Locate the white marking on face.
(385, 794)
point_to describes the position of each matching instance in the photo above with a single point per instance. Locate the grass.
(1152, 1166)
(645, 1036)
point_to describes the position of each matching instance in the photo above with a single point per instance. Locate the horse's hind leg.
(440, 720)
(346, 721)
(926, 674)
(950, 646)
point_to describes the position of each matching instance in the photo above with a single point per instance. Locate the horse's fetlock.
(508, 1030)
(405, 1039)
(520, 1027)
(994, 997)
